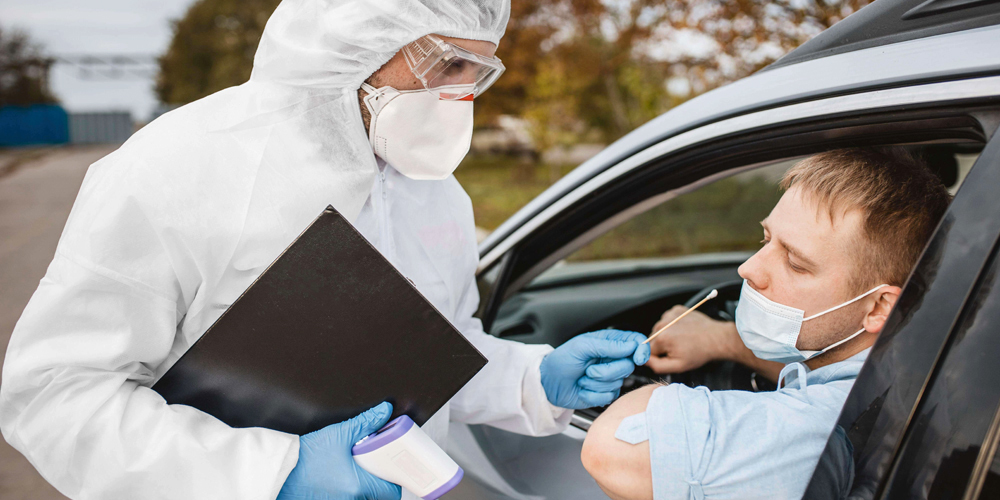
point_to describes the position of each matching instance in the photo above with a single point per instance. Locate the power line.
(110, 66)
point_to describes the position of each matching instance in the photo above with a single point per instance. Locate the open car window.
(716, 222)
(634, 266)
(710, 220)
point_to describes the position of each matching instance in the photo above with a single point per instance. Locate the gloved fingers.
(641, 355)
(595, 347)
(619, 335)
(368, 422)
(613, 370)
(375, 487)
(593, 399)
(599, 385)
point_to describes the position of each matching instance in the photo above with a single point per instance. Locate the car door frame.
(962, 110)
(690, 159)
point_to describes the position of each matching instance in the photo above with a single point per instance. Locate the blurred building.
(38, 124)
(111, 127)
(33, 124)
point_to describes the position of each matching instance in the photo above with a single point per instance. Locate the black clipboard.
(329, 330)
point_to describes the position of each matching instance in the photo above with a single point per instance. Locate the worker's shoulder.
(181, 138)
(177, 159)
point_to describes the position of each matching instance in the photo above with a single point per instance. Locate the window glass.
(487, 282)
(723, 216)
(964, 162)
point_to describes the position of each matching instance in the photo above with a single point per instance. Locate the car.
(669, 212)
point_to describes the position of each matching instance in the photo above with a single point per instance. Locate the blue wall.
(35, 124)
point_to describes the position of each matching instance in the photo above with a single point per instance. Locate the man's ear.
(878, 310)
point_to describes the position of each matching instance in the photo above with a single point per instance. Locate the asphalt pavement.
(37, 189)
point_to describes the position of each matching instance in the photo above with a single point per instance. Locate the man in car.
(837, 248)
(362, 105)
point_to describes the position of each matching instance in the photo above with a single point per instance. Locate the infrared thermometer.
(403, 454)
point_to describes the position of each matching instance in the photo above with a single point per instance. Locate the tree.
(593, 70)
(520, 50)
(212, 48)
(24, 70)
(578, 70)
(714, 42)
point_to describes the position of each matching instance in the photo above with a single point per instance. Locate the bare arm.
(698, 339)
(622, 470)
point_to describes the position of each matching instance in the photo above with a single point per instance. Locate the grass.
(720, 217)
(500, 185)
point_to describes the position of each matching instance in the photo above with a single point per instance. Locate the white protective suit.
(168, 230)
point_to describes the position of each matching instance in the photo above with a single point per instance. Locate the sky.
(98, 27)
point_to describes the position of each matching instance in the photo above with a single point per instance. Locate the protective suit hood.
(311, 60)
(332, 45)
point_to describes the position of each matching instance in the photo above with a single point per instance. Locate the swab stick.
(713, 294)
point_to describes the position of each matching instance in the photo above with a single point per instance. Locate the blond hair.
(900, 199)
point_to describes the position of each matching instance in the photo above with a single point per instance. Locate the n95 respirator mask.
(420, 134)
(771, 330)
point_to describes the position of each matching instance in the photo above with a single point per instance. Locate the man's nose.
(753, 271)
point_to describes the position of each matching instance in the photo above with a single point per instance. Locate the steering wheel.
(716, 375)
(722, 307)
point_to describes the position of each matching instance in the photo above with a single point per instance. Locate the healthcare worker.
(168, 230)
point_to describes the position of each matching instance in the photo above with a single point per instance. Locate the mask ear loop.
(800, 375)
(855, 334)
(835, 344)
(849, 302)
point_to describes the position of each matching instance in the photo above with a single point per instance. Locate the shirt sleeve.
(75, 398)
(507, 393)
(737, 444)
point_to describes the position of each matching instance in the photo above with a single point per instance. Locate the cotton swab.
(711, 295)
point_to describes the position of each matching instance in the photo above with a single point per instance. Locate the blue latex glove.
(589, 369)
(326, 469)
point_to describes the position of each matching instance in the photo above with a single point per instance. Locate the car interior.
(678, 228)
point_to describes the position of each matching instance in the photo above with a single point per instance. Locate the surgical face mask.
(422, 136)
(771, 330)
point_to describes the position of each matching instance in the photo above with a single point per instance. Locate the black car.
(671, 210)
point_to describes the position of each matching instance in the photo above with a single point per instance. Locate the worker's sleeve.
(734, 444)
(508, 392)
(75, 398)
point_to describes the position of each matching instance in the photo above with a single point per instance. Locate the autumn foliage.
(577, 70)
(24, 70)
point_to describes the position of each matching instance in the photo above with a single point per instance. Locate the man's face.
(397, 74)
(807, 262)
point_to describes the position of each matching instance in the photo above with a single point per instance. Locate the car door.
(525, 296)
(922, 419)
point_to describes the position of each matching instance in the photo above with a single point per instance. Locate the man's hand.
(588, 370)
(693, 341)
(698, 339)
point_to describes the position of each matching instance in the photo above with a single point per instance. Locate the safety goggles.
(450, 71)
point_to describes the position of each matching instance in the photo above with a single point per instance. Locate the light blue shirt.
(738, 444)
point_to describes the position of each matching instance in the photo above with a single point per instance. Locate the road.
(37, 189)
